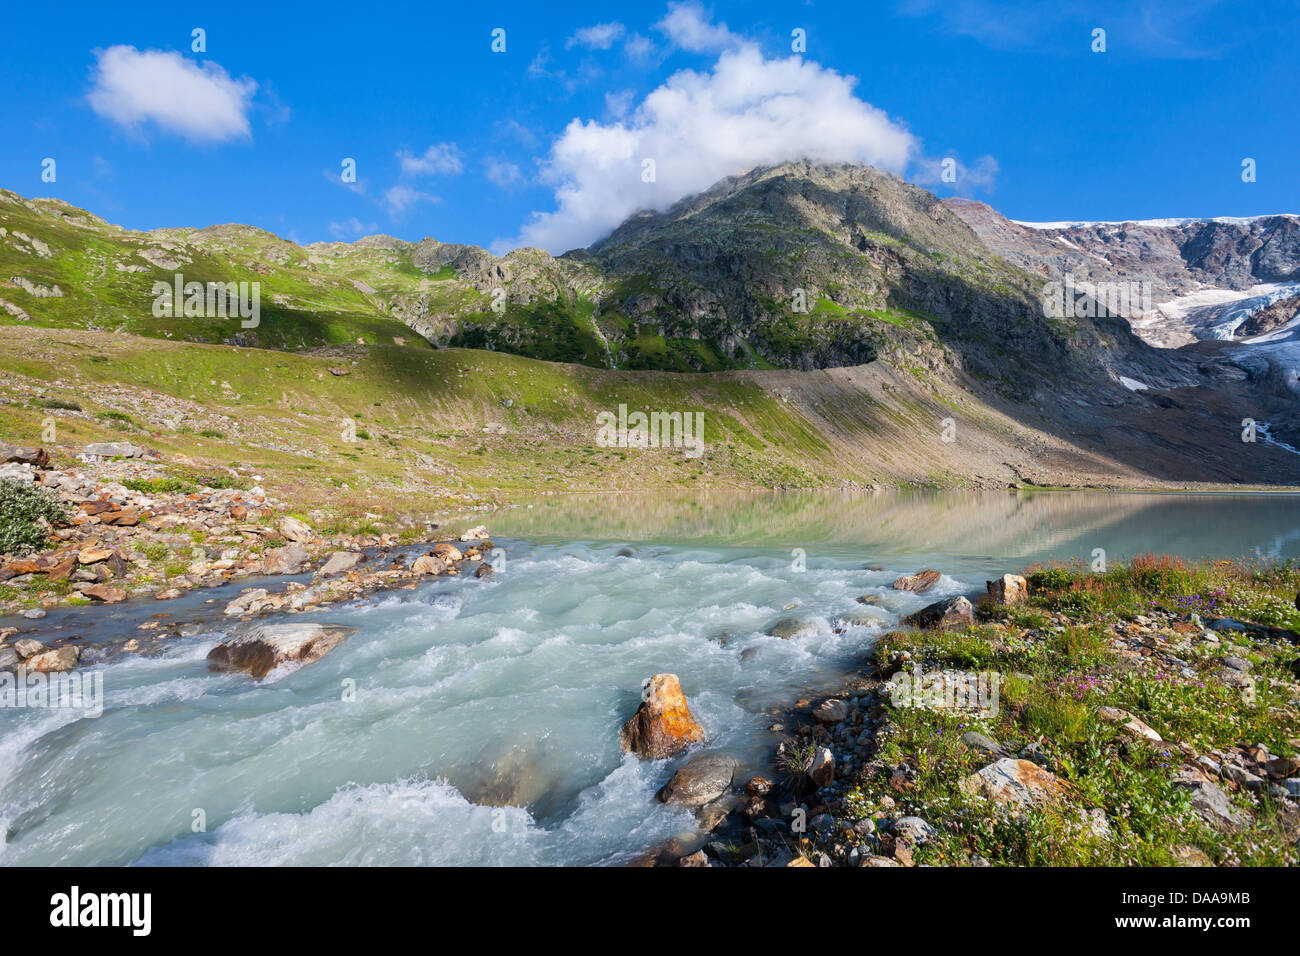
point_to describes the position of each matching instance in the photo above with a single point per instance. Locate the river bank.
(1141, 716)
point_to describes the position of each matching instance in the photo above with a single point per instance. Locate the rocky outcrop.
(663, 725)
(1008, 589)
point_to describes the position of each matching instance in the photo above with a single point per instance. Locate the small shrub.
(22, 506)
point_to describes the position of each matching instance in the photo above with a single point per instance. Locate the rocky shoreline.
(899, 769)
(132, 532)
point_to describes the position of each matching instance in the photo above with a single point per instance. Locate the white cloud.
(198, 101)
(401, 197)
(639, 49)
(602, 36)
(504, 174)
(439, 158)
(688, 26)
(352, 228)
(700, 127)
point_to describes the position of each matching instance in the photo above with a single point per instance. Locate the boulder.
(448, 553)
(428, 564)
(950, 612)
(702, 779)
(340, 562)
(60, 659)
(663, 725)
(37, 457)
(822, 770)
(104, 593)
(789, 627)
(246, 602)
(9, 657)
(294, 530)
(919, 582)
(26, 647)
(832, 711)
(1016, 784)
(484, 570)
(1132, 725)
(1008, 589)
(286, 560)
(114, 449)
(478, 533)
(269, 645)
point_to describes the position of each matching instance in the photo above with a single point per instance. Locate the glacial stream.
(465, 694)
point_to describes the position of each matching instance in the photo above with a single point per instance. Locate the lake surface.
(469, 693)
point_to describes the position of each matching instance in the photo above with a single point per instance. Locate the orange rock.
(663, 725)
(919, 582)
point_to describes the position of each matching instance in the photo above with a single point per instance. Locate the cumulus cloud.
(200, 102)
(439, 158)
(602, 36)
(699, 127)
(688, 26)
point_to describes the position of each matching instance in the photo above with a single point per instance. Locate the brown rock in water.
(484, 570)
(1008, 589)
(269, 645)
(62, 659)
(448, 552)
(102, 592)
(919, 582)
(428, 564)
(663, 725)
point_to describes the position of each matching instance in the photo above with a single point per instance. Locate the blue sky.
(546, 142)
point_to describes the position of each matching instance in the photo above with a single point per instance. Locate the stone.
(61, 659)
(1009, 589)
(919, 582)
(340, 562)
(977, 741)
(294, 530)
(1016, 784)
(914, 830)
(789, 627)
(449, 553)
(37, 457)
(1209, 800)
(484, 570)
(833, 711)
(663, 725)
(702, 779)
(114, 449)
(26, 647)
(478, 533)
(104, 593)
(1132, 725)
(9, 657)
(245, 602)
(822, 770)
(428, 564)
(950, 612)
(267, 646)
(286, 560)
